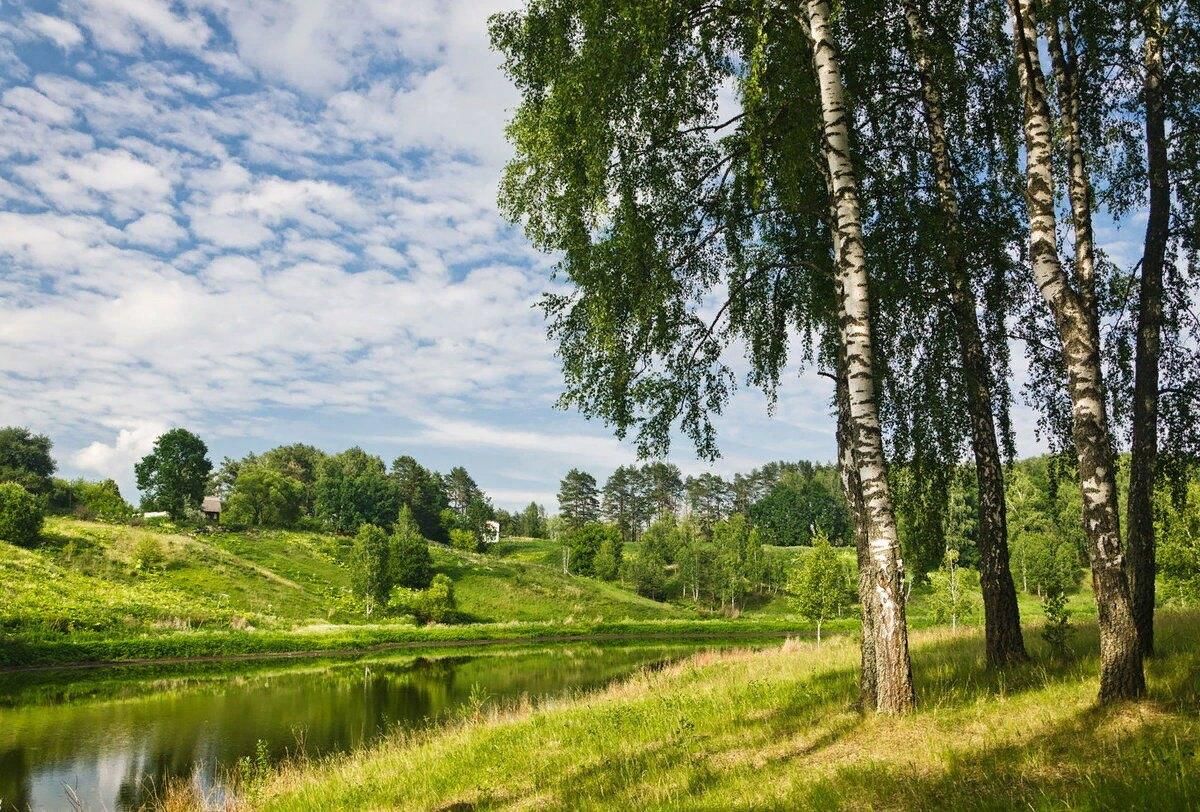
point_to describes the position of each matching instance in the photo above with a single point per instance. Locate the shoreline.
(28, 656)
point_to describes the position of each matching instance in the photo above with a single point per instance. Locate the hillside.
(776, 729)
(94, 577)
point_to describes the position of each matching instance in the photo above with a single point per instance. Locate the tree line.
(882, 201)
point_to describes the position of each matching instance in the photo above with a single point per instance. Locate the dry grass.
(777, 729)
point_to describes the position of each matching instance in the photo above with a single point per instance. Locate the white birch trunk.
(894, 691)
(1121, 673)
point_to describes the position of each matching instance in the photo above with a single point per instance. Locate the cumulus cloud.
(114, 460)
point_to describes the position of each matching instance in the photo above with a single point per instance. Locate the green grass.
(81, 598)
(776, 729)
(516, 582)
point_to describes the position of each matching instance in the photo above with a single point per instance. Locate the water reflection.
(114, 736)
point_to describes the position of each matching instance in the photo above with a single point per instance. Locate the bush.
(369, 573)
(21, 515)
(409, 558)
(465, 540)
(584, 542)
(148, 555)
(433, 605)
(608, 559)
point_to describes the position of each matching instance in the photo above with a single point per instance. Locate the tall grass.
(777, 729)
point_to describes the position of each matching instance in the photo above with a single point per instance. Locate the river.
(114, 737)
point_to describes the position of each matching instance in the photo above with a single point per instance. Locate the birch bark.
(894, 689)
(1002, 619)
(1121, 674)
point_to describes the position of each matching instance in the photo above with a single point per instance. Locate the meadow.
(777, 729)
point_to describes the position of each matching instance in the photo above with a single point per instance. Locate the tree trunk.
(853, 492)
(1002, 619)
(894, 691)
(1144, 448)
(1121, 673)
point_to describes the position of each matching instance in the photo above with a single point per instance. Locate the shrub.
(583, 544)
(21, 515)
(465, 540)
(148, 554)
(409, 558)
(607, 563)
(433, 605)
(369, 573)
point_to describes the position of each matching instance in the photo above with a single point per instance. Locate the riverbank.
(82, 650)
(777, 729)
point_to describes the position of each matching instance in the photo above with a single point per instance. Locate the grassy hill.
(90, 580)
(776, 729)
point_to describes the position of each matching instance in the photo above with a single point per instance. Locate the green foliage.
(531, 522)
(91, 500)
(609, 558)
(1045, 529)
(821, 584)
(740, 563)
(954, 590)
(300, 462)
(409, 558)
(352, 489)
(1178, 535)
(21, 515)
(424, 493)
(148, 554)
(583, 545)
(468, 540)
(263, 497)
(370, 576)
(578, 500)
(25, 459)
(173, 476)
(710, 499)
(1057, 631)
(796, 508)
(436, 604)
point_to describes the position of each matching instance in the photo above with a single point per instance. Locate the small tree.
(174, 475)
(820, 584)
(953, 590)
(411, 564)
(369, 573)
(608, 559)
(436, 604)
(462, 539)
(20, 515)
(583, 544)
(25, 459)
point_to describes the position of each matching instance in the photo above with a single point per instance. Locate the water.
(114, 735)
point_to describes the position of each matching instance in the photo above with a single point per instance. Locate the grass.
(82, 597)
(777, 729)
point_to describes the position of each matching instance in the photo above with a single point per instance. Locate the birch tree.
(893, 669)
(1072, 305)
(1002, 622)
(687, 229)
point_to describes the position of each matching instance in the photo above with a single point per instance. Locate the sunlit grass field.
(778, 729)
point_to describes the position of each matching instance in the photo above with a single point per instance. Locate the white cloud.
(64, 34)
(114, 460)
(155, 230)
(126, 26)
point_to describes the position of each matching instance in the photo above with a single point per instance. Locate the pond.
(116, 736)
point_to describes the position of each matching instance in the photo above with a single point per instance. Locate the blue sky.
(275, 222)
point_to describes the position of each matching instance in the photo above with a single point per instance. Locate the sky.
(275, 221)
